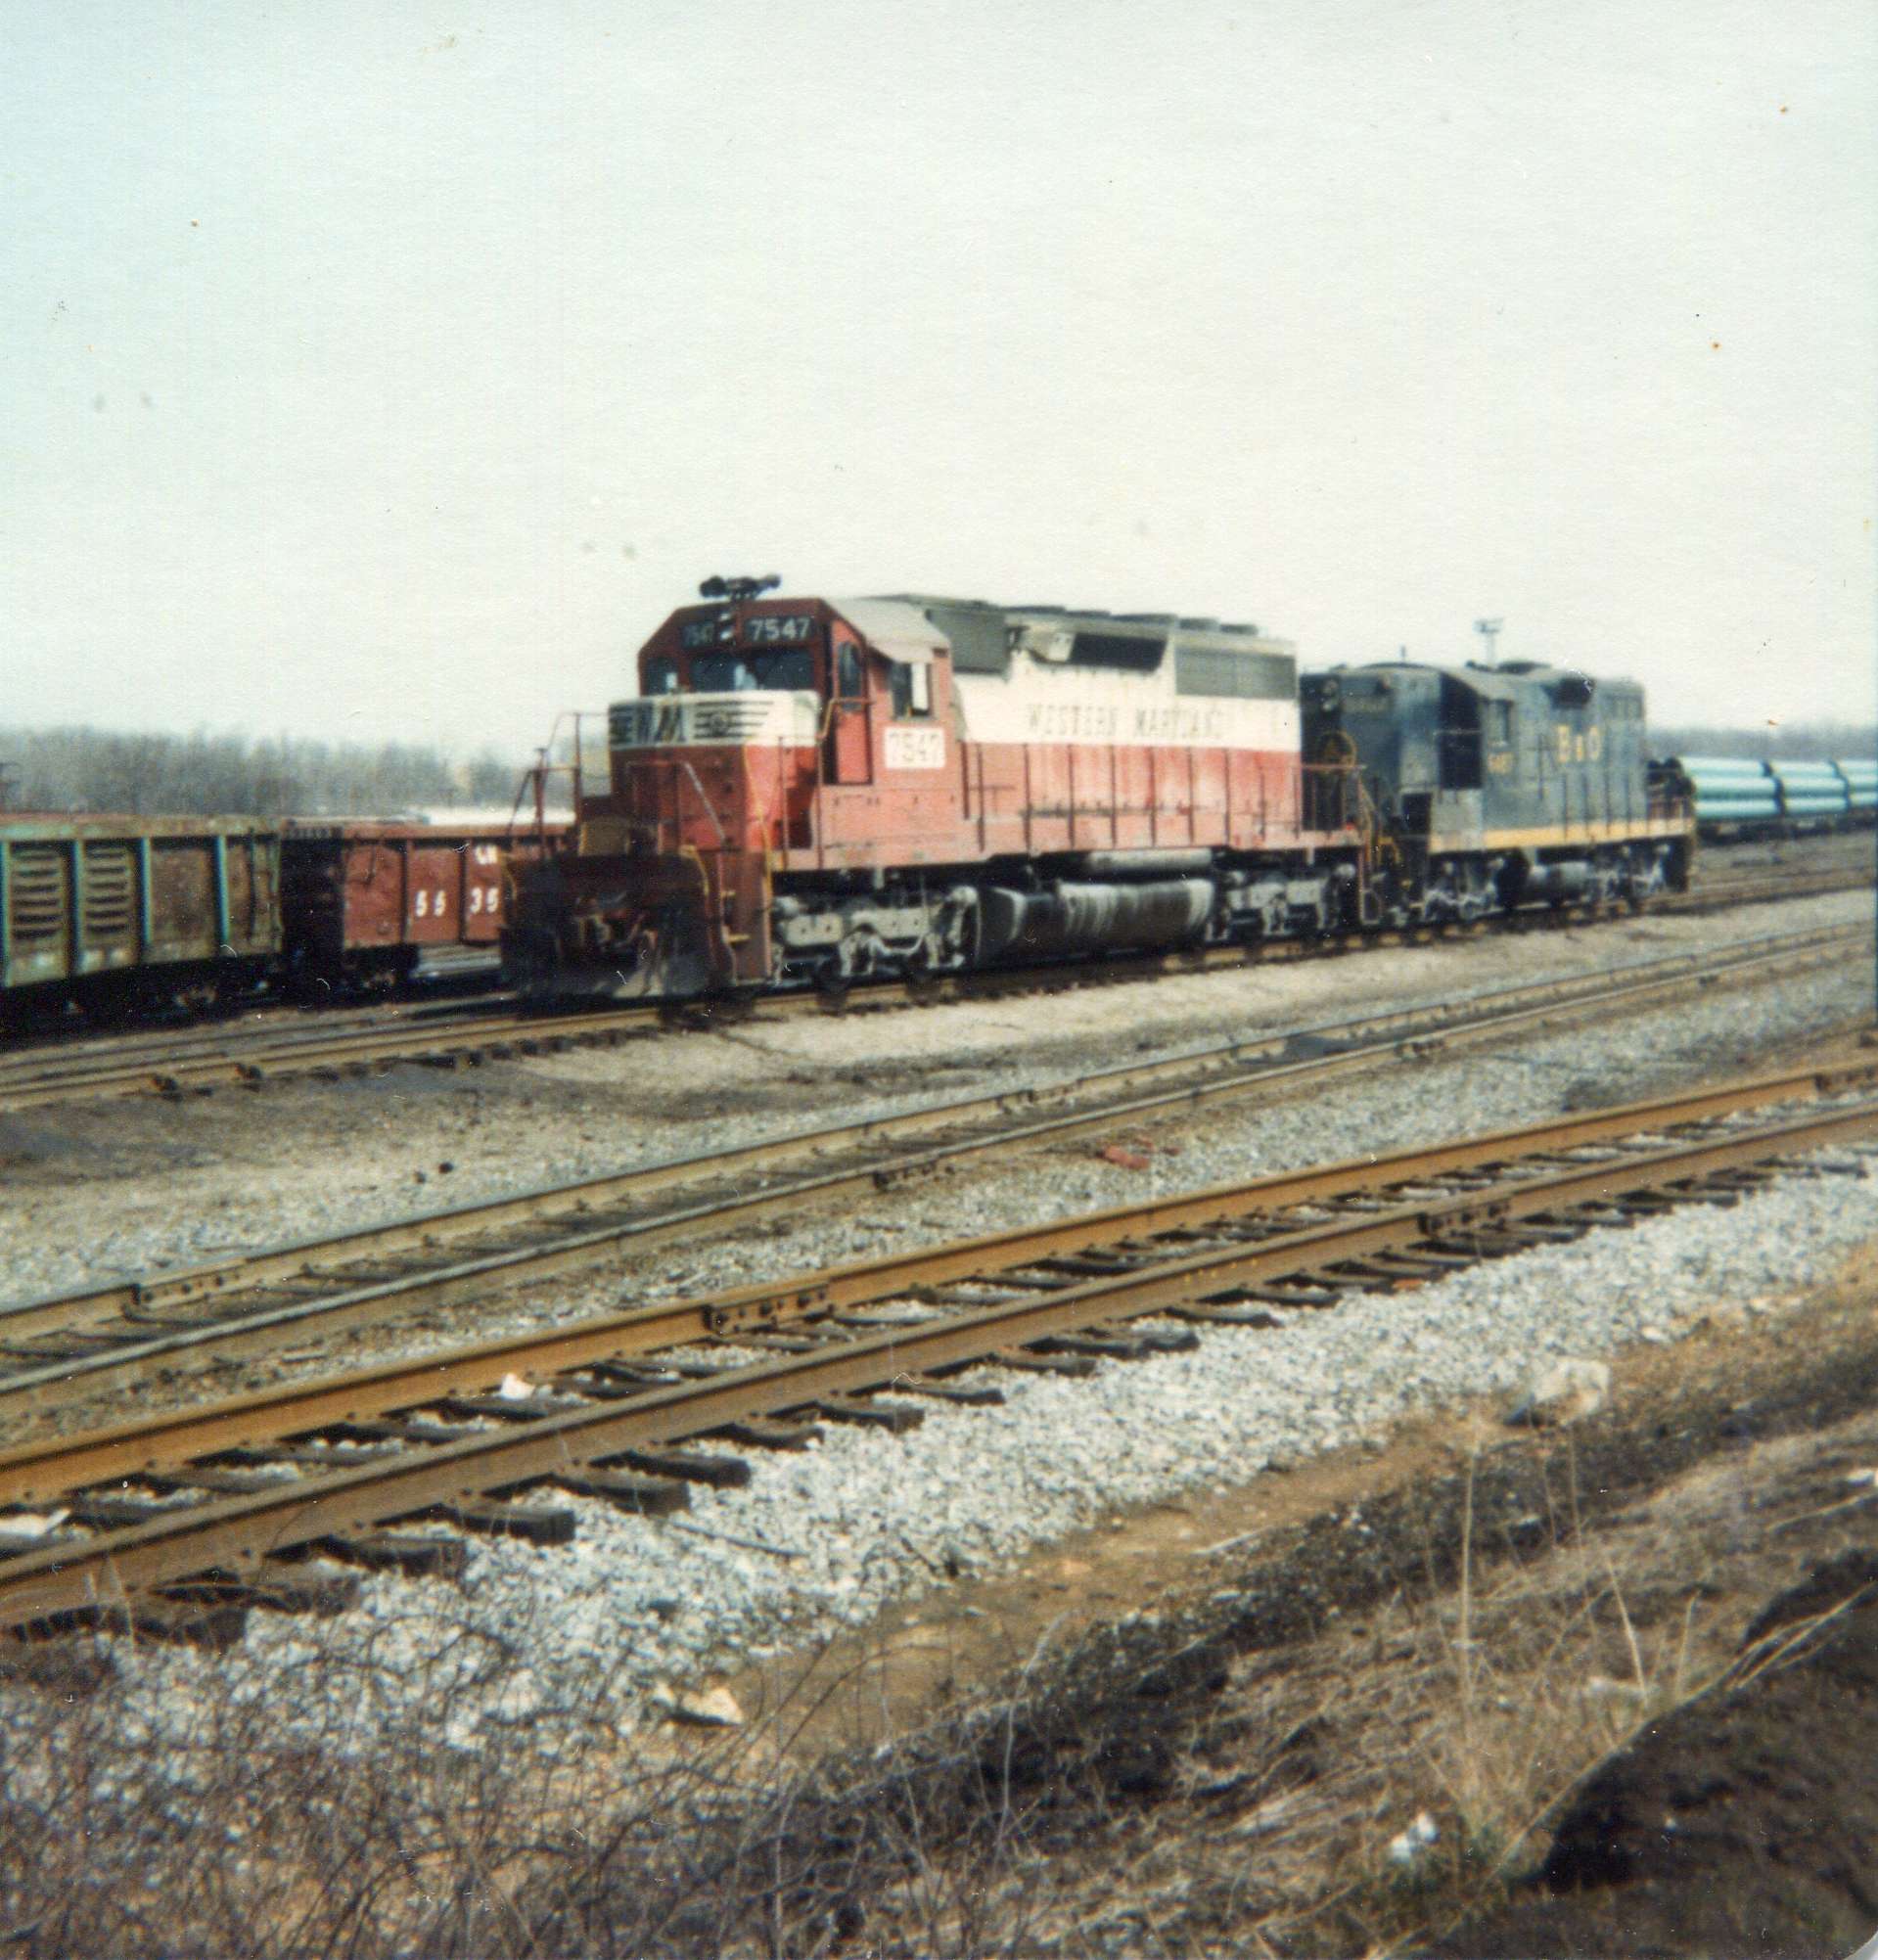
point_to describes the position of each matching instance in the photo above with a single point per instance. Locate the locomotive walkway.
(135, 1332)
(465, 1034)
(179, 1523)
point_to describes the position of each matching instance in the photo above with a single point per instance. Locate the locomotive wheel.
(923, 989)
(832, 995)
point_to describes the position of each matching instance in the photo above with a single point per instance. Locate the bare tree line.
(232, 775)
(1783, 742)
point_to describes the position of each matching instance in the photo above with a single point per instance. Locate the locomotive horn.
(739, 588)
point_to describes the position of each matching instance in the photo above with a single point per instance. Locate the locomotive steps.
(179, 1522)
(61, 1351)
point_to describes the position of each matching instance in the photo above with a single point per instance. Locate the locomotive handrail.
(710, 808)
(822, 736)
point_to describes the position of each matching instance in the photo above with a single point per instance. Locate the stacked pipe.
(1811, 792)
(1730, 790)
(1861, 779)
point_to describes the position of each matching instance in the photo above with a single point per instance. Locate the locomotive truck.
(809, 792)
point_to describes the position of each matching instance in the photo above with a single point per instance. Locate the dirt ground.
(1625, 1674)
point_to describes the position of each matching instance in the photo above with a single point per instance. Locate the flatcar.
(124, 915)
(807, 792)
(1736, 797)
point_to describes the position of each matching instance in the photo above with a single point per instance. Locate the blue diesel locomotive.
(1489, 787)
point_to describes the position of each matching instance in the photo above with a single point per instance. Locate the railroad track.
(493, 1028)
(180, 1523)
(1722, 894)
(125, 1333)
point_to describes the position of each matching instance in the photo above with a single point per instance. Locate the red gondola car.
(366, 902)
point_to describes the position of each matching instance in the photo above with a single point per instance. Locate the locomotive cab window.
(849, 682)
(911, 688)
(662, 675)
(740, 670)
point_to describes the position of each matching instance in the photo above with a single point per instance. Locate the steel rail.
(1376, 1034)
(482, 1028)
(232, 1534)
(470, 1031)
(29, 1471)
(151, 1304)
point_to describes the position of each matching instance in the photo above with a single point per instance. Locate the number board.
(761, 629)
(914, 747)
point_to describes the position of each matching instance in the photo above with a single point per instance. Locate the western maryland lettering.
(1197, 722)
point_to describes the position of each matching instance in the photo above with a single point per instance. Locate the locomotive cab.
(792, 674)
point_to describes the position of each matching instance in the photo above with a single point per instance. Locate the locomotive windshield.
(732, 669)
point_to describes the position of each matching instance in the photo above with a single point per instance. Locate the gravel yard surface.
(97, 1192)
(822, 1539)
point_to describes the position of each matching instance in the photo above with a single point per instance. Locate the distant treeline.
(1790, 742)
(191, 775)
(229, 775)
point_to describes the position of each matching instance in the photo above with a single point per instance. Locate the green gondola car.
(134, 912)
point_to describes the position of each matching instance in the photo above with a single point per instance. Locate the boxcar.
(125, 912)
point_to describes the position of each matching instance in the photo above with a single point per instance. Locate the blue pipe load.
(1809, 789)
(1861, 778)
(1721, 765)
(1737, 790)
(1728, 789)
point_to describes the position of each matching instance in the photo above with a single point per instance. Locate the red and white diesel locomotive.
(811, 792)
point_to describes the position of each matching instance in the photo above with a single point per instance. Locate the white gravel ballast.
(820, 1540)
(666, 1098)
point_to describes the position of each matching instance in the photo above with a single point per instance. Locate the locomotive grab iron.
(811, 791)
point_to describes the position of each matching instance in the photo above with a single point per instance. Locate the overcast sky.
(390, 371)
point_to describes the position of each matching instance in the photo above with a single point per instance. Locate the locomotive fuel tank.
(1562, 882)
(1077, 918)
